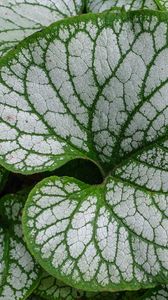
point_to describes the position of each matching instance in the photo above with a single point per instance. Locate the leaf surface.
(19, 19)
(19, 274)
(98, 6)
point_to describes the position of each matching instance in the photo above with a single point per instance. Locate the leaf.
(52, 289)
(19, 274)
(39, 94)
(102, 5)
(76, 235)
(20, 19)
(93, 86)
(158, 293)
(3, 177)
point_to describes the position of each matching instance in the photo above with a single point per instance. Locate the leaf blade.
(39, 137)
(21, 19)
(78, 235)
(19, 273)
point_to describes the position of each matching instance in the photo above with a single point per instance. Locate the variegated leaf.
(52, 289)
(20, 18)
(19, 274)
(93, 87)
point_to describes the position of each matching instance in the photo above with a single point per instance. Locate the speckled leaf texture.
(52, 289)
(95, 87)
(19, 274)
(21, 18)
(98, 6)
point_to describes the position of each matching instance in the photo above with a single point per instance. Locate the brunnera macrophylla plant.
(92, 87)
(107, 105)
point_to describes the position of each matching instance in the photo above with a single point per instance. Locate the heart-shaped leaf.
(19, 19)
(52, 289)
(19, 275)
(102, 5)
(97, 237)
(93, 87)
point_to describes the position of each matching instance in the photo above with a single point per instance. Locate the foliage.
(83, 149)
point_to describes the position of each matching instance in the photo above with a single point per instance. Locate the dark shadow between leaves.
(81, 169)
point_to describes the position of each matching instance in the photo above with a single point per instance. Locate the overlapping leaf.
(94, 87)
(102, 5)
(52, 289)
(19, 19)
(18, 272)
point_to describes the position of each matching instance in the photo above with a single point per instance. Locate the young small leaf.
(52, 289)
(19, 19)
(102, 5)
(19, 274)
